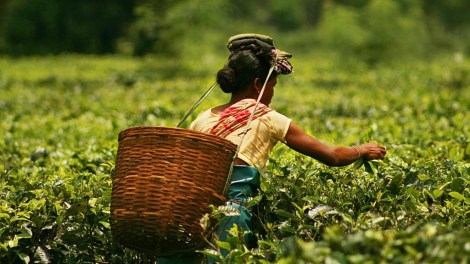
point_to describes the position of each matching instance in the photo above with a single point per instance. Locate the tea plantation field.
(60, 117)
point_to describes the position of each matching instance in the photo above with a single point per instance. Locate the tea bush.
(60, 116)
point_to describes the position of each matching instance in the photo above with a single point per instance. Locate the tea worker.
(250, 74)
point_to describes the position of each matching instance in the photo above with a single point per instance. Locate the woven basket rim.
(173, 130)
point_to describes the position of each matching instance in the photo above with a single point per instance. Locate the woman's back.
(267, 128)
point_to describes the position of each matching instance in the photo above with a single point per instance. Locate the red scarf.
(237, 115)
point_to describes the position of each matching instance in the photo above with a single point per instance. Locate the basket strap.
(196, 104)
(254, 109)
(227, 183)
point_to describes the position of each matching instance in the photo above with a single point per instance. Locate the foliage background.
(73, 74)
(372, 29)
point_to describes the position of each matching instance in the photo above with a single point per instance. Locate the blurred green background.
(73, 74)
(370, 30)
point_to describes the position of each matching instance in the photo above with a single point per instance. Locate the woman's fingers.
(380, 153)
(376, 151)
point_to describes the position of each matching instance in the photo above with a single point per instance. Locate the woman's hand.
(371, 151)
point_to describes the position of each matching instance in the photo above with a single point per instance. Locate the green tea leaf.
(423, 177)
(25, 258)
(92, 202)
(370, 168)
(105, 224)
(437, 193)
(224, 245)
(284, 213)
(413, 192)
(457, 196)
(211, 253)
(358, 163)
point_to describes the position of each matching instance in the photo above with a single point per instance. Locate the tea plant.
(60, 117)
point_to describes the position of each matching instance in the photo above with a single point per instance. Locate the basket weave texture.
(164, 181)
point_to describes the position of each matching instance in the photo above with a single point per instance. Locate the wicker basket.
(165, 179)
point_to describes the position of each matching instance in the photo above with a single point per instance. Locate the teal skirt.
(245, 184)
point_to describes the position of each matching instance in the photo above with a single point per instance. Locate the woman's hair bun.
(227, 79)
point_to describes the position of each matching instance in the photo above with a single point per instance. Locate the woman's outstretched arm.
(301, 142)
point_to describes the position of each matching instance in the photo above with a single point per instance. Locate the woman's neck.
(238, 97)
(234, 99)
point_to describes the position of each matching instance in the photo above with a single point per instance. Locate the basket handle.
(196, 104)
(227, 183)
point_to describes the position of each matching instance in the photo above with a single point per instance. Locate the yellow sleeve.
(279, 125)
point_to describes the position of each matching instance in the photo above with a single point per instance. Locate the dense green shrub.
(379, 31)
(375, 30)
(162, 26)
(60, 117)
(32, 27)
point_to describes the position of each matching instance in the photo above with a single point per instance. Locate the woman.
(250, 75)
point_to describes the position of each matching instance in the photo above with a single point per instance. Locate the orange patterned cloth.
(237, 115)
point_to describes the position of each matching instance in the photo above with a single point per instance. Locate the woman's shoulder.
(204, 118)
(273, 113)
